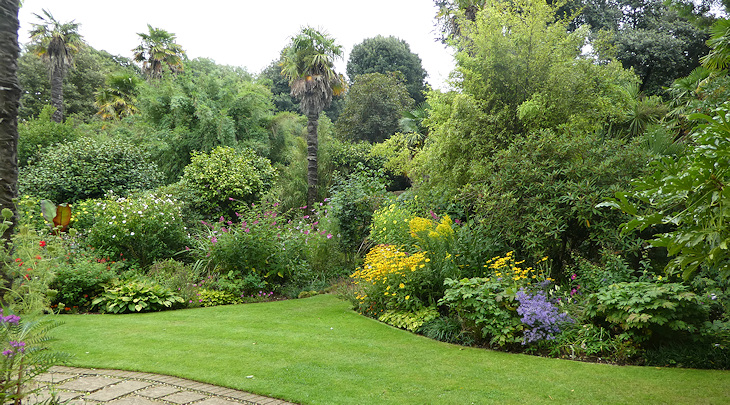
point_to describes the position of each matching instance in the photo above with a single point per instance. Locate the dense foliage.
(485, 216)
(388, 55)
(373, 108)
(89, 168)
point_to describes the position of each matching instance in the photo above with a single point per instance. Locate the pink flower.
(573, 277)
(329, 236)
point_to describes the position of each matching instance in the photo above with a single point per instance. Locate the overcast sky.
(250, 34)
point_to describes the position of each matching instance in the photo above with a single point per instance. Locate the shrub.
(645, 310)
(138, 295)
(264, 249)
(488, 305)
(178, 276)
(37, 134)
(142, 228)
(225, 181)
(89, 168)
(352, 203)
(30, 268)
(390, 226)
(80, 280)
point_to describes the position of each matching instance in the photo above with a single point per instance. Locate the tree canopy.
(388, 54)
(373, 107)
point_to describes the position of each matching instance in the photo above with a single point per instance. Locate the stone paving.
(82, 386)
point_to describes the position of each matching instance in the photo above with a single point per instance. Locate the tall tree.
(57, 43)
(9, 103)
(373, 107)
(385, 55)
(308, 64)
(157, 50)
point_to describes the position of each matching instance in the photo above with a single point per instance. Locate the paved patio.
(82, 386)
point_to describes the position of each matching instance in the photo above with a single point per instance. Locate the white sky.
(250, 34)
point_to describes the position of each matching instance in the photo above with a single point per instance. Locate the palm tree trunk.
(312, 146)
(9, 103)
(57, 74)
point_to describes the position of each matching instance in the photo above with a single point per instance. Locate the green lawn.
(318, 351)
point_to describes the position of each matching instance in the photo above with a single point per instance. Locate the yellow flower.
(404, 286)
(408, 297)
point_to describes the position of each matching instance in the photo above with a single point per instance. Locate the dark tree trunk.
(312, 146)
(9, 104)
(57, 93)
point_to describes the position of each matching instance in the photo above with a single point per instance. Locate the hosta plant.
(136, 296)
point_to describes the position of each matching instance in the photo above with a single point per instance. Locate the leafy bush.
(488, 305)
(138, 295)
(180, 277)
(687, 193)
(30, 267)
(89, 168)
(486, 309)
(226, 181)
(540, 194)
(142, 228)
(37, 134)
(80, 281)
(390, 226)
(352, 204)
(644, 310)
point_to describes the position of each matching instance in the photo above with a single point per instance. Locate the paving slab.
(184, 397)
(158, 391)
(118, 390)
(133, 400)
(217, 401)
(53, 377)
(88, 384)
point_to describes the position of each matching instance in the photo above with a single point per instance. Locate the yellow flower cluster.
(508, 269)
(420, 226)
(385, 260)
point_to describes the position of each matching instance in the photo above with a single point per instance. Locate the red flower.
(43, 243)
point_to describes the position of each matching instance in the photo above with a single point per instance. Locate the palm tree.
(57, 43)
(308, 64)
(9, 103)
(117, 99)
(157, 50)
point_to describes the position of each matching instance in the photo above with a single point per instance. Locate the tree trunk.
(312, 145)
(57, 75)
(9, 104)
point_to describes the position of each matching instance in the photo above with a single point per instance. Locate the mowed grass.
(318, 351)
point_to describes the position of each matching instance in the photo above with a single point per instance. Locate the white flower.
(131, 233)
